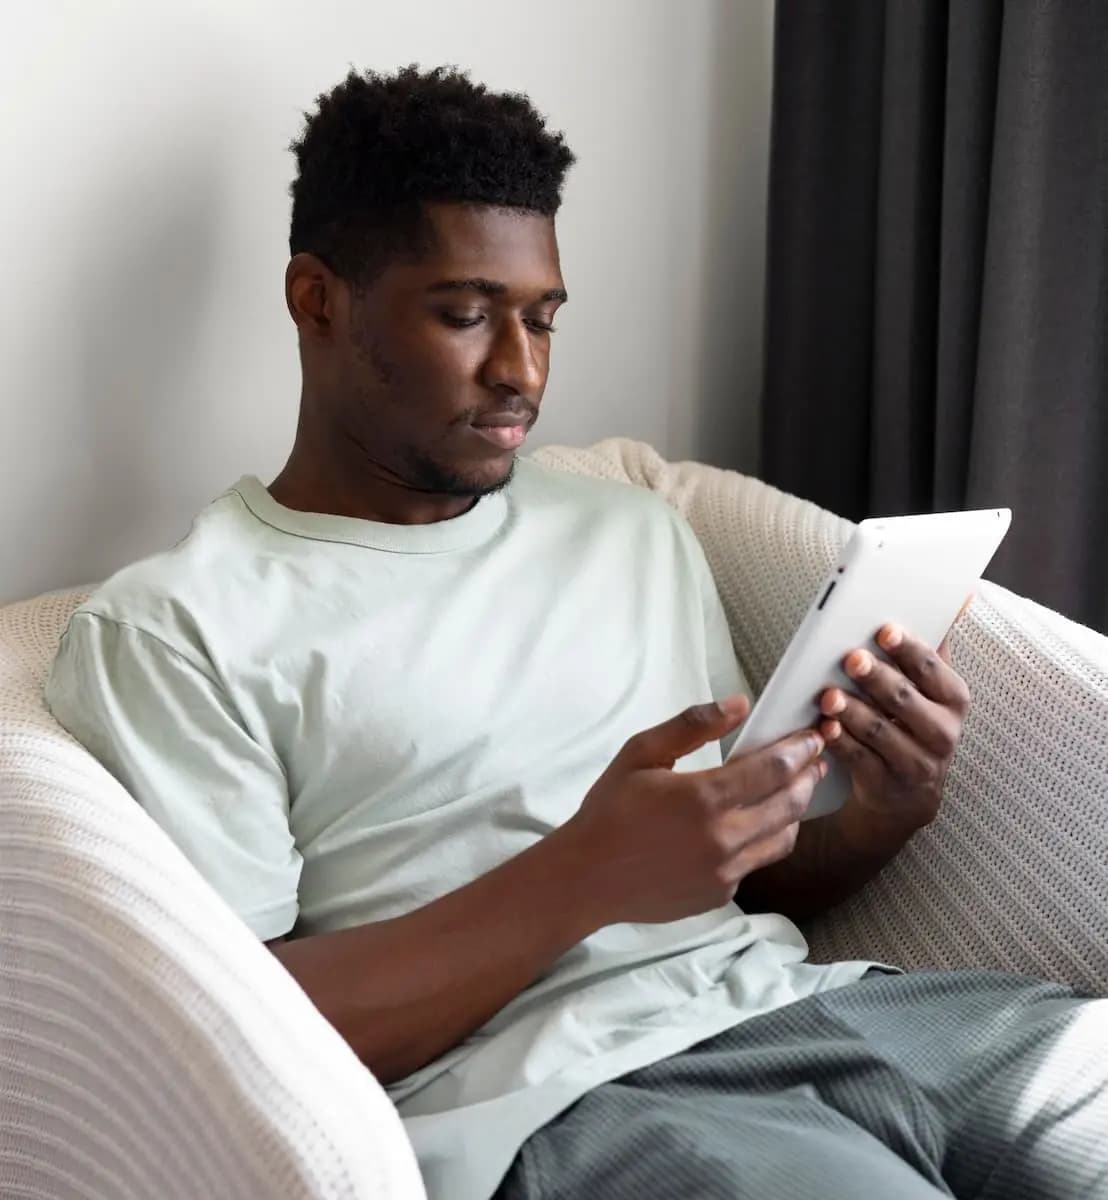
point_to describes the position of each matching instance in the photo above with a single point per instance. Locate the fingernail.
(859, 664)
(890, 637)
(731, 706)
(816, 745)
(832, 731)
(823, 769)
(836, 705)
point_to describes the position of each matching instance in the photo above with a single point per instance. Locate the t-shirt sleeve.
(724, 672)
(166, 729)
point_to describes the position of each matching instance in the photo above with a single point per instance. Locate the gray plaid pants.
(968, 1084)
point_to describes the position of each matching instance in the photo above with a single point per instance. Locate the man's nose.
(514, 362)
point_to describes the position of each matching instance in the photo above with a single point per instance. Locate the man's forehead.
(494, 245)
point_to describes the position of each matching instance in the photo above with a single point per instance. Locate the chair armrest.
(1014, 873)
(149, 1044)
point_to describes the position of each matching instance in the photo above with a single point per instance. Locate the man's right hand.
(654, 844)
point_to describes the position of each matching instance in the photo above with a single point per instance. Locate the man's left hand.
(897, 740)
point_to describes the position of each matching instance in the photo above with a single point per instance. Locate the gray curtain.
(937, 275)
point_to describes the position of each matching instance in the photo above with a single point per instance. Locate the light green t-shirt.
(339, 721)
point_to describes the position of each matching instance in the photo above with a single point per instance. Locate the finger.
(857, 758)
(664, 744)
(891, 691)
(748, 823)
(936, 679)
(899, 752)
(766, 832)
(753, 777)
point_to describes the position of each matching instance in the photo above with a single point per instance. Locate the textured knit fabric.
(1012, 875)
(398, 710)
(978, 1085)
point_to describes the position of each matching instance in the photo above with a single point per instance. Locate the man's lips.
(506, 437)
(505, 430)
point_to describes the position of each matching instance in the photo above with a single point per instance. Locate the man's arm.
(403, 991)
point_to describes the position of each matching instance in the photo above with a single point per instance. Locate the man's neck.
(324, 483)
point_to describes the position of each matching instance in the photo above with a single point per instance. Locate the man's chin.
(465, 479)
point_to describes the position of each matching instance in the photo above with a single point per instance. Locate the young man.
(411, 710)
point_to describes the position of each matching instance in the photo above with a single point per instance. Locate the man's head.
(424, 279)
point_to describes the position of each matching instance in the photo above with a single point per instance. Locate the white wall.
(147, 356)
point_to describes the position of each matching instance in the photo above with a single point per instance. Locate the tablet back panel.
(914, 571)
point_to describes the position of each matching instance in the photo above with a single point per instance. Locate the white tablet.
(915, 572)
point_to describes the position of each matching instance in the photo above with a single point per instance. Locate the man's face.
(445, 361)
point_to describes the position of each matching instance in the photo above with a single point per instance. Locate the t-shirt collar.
(473, 527)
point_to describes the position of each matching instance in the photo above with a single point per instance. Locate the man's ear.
(311, 293)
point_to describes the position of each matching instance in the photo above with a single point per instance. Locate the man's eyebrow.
(488, 287)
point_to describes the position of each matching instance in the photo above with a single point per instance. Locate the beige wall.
(147, 357)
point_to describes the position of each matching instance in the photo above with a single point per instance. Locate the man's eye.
(463, 320)
(541, 326)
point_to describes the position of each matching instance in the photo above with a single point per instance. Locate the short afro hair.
(379, 147)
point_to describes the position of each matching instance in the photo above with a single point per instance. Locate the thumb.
(663, 745)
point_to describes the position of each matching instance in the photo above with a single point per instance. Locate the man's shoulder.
(616, 505)
(159, 594)
(538, 482)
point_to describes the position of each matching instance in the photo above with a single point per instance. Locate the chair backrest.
(150, 1046)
